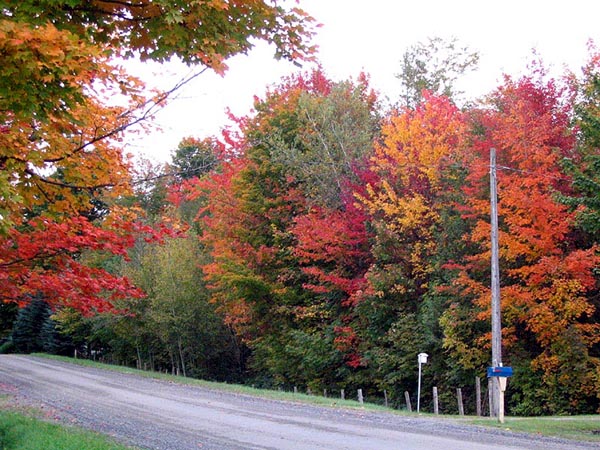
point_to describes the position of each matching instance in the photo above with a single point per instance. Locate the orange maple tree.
(546, 274)
(206, 32)
(64, 111)
(62, 168)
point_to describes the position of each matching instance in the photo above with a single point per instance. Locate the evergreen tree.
(53, 340)
(27, 330)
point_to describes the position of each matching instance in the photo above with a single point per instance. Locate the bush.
(7, 346)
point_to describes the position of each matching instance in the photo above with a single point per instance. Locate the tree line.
(325, 239)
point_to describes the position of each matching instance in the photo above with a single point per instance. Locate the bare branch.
(151, 107)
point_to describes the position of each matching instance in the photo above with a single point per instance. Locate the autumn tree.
(62, 168)
(298, 153)
(333, 250)
(547, 273)
(64, 110)
(206, 33)
(408, 197)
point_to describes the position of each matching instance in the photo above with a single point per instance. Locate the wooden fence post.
(385, 398)
(461, 408)
(360, 396)
(478, 396)
(295, 389)
(491, 398)
(407, 398)
(436, 405)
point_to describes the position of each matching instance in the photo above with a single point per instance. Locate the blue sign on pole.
(504, 372)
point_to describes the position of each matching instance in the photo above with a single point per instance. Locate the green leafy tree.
(151, 187)
(434, 66)
(177, 312)
(195, 158)
(334, 135)
(585, 167)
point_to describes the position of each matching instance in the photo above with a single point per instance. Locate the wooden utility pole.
(498, 394)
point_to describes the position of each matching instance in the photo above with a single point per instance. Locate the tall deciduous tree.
(546, 274)
(434, 66)
(407, 197)
(585, 166)
(178, 312)
(204, 33)
(64, 109)
(335, 130)
(194, 158)
(300, 151)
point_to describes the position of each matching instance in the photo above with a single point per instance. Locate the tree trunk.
(237, 350)
(139, 357)
(181, 356)
(173, 370)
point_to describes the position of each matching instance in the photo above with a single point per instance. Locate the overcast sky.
(371, 36)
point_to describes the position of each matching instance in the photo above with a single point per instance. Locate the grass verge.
(581, 428)
(21, 432)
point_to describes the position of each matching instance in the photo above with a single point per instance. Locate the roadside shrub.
(7, 346)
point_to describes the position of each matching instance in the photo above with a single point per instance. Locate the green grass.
(21, 432)
(582, 428)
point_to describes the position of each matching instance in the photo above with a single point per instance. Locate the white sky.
(371, 36)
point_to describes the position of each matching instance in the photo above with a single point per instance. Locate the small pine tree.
(53, 341)
(26, 334)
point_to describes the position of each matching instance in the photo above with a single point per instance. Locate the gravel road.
(163, 415)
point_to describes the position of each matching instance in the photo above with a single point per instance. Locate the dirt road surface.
(163, 415)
